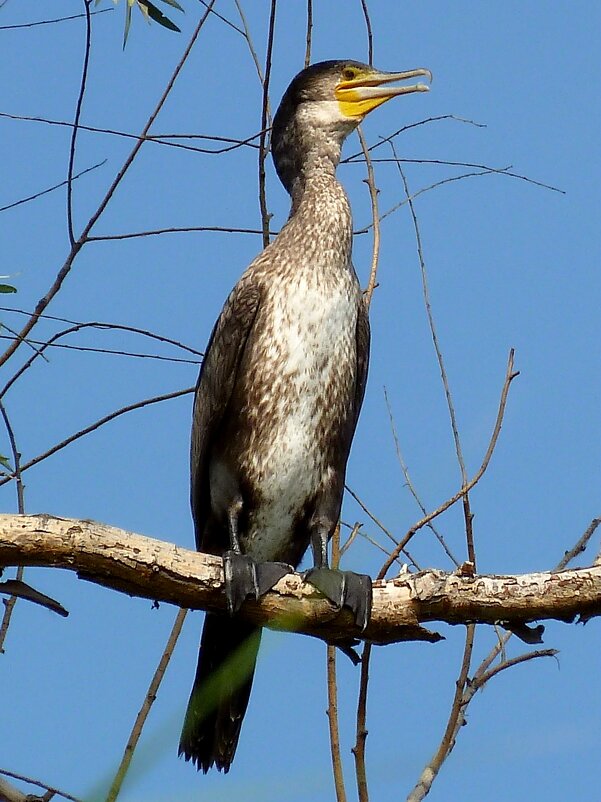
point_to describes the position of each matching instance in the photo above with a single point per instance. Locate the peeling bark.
(153, 569)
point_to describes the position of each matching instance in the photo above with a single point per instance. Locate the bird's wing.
(363, 340)
(216, 382)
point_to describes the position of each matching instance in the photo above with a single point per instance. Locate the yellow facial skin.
(362, 91)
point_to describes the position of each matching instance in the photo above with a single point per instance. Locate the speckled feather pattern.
(279, 394)
(290, 408)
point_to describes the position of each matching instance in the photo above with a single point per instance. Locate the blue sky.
(510, 264)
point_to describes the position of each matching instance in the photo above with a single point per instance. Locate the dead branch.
(153, 569)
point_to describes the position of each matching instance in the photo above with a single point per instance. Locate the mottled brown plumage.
(278, 398)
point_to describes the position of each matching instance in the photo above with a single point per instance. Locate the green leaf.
(7, 288)
(174, 4)
(127, 22)
(5, 462)
(157, 15)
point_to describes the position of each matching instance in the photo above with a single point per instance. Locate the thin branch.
(157, 139)
(45, 786)
(454, 723)
(96, 425)
(361, 726)
(446, 163)
(468, 516)
(228, 22)
(52, 188)
(78, 327)
(173, 230)
(430, 187)
(411, 486)
(513, 661)
(72, 146)
(9, 604)
(251, 47)
(263, 146)
(484, 672)
(580, 546)
(309, 34)
(383, 140)
(373, 195)
(90, 349)
(381, 526)
(51, 22)
(66, 268)
(333, 725)
(111, 326)
(370, 38)
(510, 375)
(144, 711)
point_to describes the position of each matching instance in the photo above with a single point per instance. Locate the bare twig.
(309, 34)
(411, 486)
(510, 375)
(381, 526)
(468, 516)
(52, 188)
(373, 195)
(78, 327)
(426, 121)
(9, 604)
(455, 722)
(228, 22)
(73, 143)
(251, 47)
(96, 425)
(173, 230)
(39, 784)
(263, 145)
(580, 546)
(144, 711)
(157, 139)
(430, 187)
(361, 727)
(370, 38)
(51, 22)
(484, 673)
(90, 349)
(350, 539)
(447, 163)
(67, 265)
(478, 683)
(332, 711)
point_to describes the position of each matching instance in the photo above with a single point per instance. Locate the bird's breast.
(293, 401)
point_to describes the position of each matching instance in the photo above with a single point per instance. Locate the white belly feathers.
(306, 363)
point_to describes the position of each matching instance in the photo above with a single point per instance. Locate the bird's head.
(326, 101)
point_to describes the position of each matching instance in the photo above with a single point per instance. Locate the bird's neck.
(320, 207)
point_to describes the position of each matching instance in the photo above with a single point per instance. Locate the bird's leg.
(243, 576)
(342, 588)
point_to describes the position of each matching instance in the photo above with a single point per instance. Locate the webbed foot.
(344, 589)
(246, 578)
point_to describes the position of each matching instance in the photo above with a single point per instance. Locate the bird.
(278, 399)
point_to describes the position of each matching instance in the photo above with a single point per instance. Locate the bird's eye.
(348, 73)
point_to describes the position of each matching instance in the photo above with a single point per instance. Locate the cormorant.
(278, 398)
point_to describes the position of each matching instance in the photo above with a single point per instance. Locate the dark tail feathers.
(219, 698)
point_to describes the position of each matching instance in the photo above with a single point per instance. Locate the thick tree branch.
(142, 566)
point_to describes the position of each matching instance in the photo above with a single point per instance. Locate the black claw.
(269, 574)
(240, 580)
(358, 596)
(245, 578)
(344, 589)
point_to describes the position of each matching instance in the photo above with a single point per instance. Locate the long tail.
(221, 690)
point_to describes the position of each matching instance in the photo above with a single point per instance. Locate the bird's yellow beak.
(366, 91)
